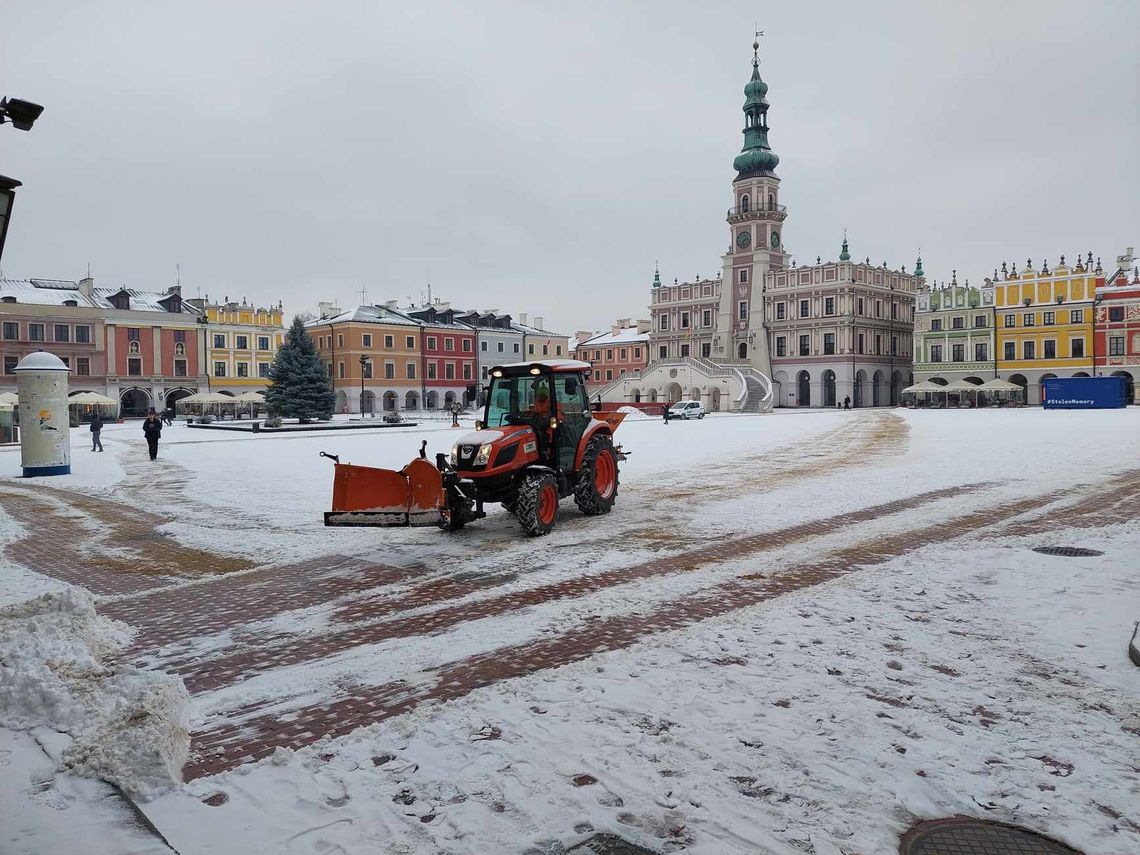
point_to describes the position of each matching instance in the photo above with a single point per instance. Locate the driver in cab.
(540, 411)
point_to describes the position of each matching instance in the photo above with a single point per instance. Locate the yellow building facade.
(1044, 324)
(242, 341)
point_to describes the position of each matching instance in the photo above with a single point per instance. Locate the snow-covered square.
(801, 632)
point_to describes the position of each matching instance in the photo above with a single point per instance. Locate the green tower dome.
(757, 157)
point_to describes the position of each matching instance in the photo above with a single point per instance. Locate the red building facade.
(1117, 330)
(450, 357)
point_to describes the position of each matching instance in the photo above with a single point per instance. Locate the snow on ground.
(128, 727)
(972, 676)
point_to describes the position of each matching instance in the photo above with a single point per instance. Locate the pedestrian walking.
(168, 416)
(847, 402)
(152, 430)
(96, 429)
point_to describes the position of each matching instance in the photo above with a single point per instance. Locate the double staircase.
(756, 388)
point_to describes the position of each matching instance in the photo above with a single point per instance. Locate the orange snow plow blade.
(612, 419)
(366, 496)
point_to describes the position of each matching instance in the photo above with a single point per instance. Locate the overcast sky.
(539, 157)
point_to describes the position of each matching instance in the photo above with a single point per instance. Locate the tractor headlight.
(484, 455)
(455, 454)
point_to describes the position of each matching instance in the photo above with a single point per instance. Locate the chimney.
(522, 318)
(644, 326)
(87, 287)
(391, 304)
(177, 291)
(538, 322)
(327, 310)
(615, 328)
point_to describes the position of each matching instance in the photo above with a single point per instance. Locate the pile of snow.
(128, 726)
(632, 414)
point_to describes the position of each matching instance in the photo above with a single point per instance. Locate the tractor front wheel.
(537, 504)
(596, 487)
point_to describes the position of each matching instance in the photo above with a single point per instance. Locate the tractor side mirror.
(571, 386)
(478, 425)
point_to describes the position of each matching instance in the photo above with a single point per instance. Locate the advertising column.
(45, 444)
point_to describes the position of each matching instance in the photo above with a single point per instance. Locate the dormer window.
(70, 303)
(121, 300)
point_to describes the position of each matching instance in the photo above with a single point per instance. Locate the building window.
(1028, 320)
(979, 320)
(263, 342)
(684, 320)
(321, 343)
(132, 334)
(389, 370)
(1049, 318)
(743, 311)
(12, 331)
(936, 325)
(1116, 313)
(10, 363)
(1011, 350)
(706, 351)
(828, 344)
(803, 308)
(662, 353)
(340, 339)
(1029, 350)
(330, 369)
(860, 342)
(1077, 348)
(546, 350)
(829, 306)
(219, 340)
(62, 332)
(530, 348)
(518, 345)
(134, 367)
(860, 305)
(243, 342)
(878, 345)
(431, 371)
(366, 339)
(780, 311)
(219, 369)
(389, 341)
(894, 345)
(637, 353)
(1011, 320)
(412, 371)
(180, 368)
(410, 342)
(895, 314)
(243, 369)
(623, 354)
(466, 345)
(449, 371)
(958, 323)
(1077, 316)
(466, 370)
(664, 322)
(684, 351)
(610, 355)
(483, 345)
(83, 366)
(263, 369)
(958, 352)
(805, 345)
(597, 375)
(1116, 345)
(744, 275)
(340, 370)
(35, 332)
(981, 352)
(449, 344)
(1050, 348)
(431, 342)
(936, 353)
(878, 308)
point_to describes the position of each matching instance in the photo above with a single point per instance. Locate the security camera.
(22, 114)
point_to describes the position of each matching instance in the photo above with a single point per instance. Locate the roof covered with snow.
(367, 315)
(627, 335)
(61, 292)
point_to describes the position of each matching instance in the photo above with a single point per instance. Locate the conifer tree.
(299, 386)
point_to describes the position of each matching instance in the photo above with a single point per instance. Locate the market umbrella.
(251, 398)
(92, 398)
(999, 385)
(9, 398)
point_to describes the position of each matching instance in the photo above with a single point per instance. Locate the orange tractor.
(536, 444)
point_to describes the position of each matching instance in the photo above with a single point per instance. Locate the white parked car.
(687, 410)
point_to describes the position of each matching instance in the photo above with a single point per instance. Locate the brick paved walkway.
(202, 676)
(236, 743)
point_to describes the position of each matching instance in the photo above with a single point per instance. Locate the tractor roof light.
(535, 370)
(497, 373)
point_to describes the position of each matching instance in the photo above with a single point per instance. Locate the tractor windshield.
(513, 400)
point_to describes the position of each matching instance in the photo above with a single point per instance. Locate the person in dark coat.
(96, 428)
(152, 430)
(847, 402)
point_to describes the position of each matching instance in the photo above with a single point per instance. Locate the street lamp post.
(363, 363)
(20, 115)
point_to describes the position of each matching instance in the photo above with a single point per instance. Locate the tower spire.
(844, 255)
(918, 264)
(757, 157)
(656, 275)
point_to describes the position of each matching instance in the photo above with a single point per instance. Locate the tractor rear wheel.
(597, 484)
(537, 504)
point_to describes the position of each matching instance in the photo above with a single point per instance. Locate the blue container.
(1085, 393)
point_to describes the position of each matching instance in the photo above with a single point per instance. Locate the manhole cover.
(1068, 551)
(608, 844)
(977, 837)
